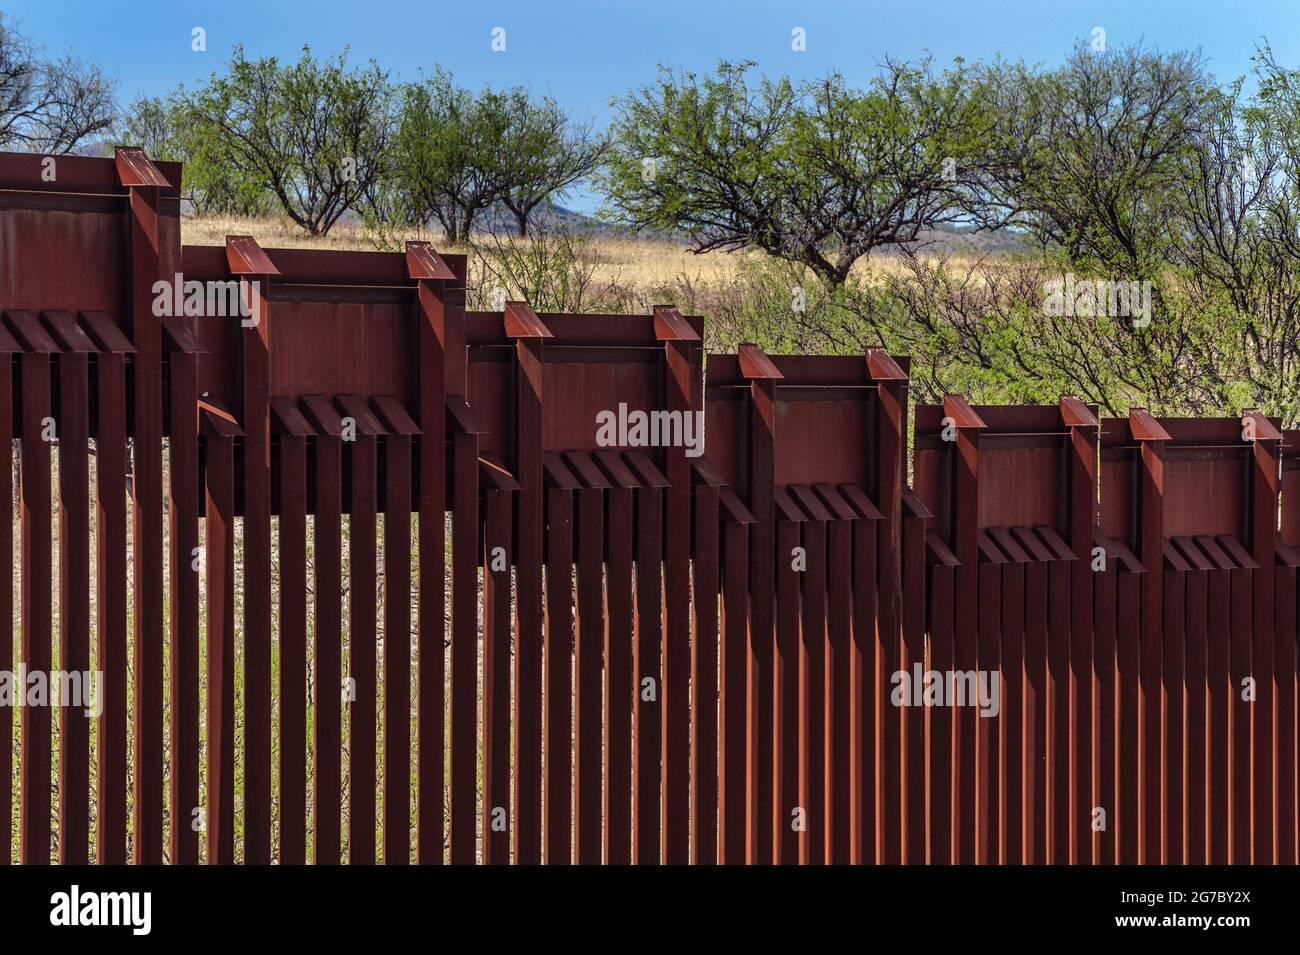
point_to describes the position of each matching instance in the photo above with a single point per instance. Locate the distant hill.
(499, 220)
(967, 241)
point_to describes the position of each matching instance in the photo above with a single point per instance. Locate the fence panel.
(1066, 640)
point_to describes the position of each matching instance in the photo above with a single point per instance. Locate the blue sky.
(583, 52)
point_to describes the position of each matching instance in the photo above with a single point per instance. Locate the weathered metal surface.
(183, 511)
(219, 467)
(292, 428)
(727, 689)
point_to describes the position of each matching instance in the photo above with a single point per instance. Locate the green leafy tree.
(547, 154)
(449, 154)
(314, 133)
(1089, 157)
(460, 157)
(168, 129)
(820, 174)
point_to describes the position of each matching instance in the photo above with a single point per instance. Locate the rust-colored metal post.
(220, 432)
(940, 588)
(812, 678)
(327, 553)
(762, 811)
(647, 724)
(293, 430)
(361, 463)
(1151, 438)
(464, 630)
(734, 787)
(557, 757)
(109, 422)
(183, 511)
(1084, 689)
(911, 653)
(495, 827)
(891, 430)
(74, 575)
(35, 637)
(712, 806)
(400, 430)
(1264, 465)
(440, 320)
(966, 426)
(1287, 587)
(838, 759)
(619, 667)
(254, 269)
(589, 631)
(529, 335)
(682, 382)
(149, 263)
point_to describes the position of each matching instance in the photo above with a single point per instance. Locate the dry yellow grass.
(645, 262)
(270, 233)
(628, 262)
(633, 262)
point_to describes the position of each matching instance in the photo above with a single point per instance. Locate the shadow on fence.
(1069, 640)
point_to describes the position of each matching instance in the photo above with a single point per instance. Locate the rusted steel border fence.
(597, 643)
